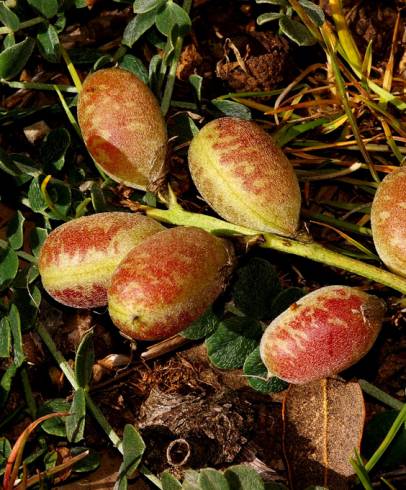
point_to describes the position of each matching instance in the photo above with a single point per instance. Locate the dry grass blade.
(396, 125)
(349, 239)
(303, 105)
(388, 76)
(293, 84)
(367, 62)
(52, 471)
(351, 118)
(387, 96)
(71, 69)
(391, 141)
(309, 177)
(15, 458)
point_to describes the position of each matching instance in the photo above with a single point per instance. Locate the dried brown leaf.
(323, 424)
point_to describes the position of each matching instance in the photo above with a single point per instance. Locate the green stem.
(94, 409)
(23, 25)
(380, 395)
(177, 216)
(170, 83)
(68, 112)
(363, 478)
(397, 424)
(39, 86)
(62, 362)
(71, 68)
(29, 398)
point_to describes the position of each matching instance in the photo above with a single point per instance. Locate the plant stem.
(29, 398)
(177, 216)
(39, 86)
(94, 409)
(68, 112)
(360, 472)
(397, 424)
(170, 83)
(62, 362)
(380, 395)
(23, 25)
(71, 68)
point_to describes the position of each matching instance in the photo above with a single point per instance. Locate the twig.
(163, 347)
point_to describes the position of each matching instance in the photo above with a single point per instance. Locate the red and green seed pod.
(168, 281)
(78, 258)
(325, 332)
(388, 221)
(244, 176)
(122, 126)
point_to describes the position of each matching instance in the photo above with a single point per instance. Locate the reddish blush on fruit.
(244, 176)
(168, 281)
(325, 332)
(78, 258)
(123, 127)
(388, 221)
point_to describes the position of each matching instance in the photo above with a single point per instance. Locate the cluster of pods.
(156, 281)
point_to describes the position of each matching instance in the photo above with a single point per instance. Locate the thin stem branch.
(170, 83)
(29, 398)
(39, 86)
(71, 68)
(23, 25)
(311, 250)
(94, 409)
(397, 424)
(380, 395)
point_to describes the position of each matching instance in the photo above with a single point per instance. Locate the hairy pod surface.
(168, 281)
(122, 126)
(244, 176)
(388, 221)
(325, 332)
(78, 258)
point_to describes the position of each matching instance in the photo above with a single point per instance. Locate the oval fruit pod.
(244, 176)
(168, 281)
(78, 258)
(388, 221)
(123, 127)
(325, 332)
